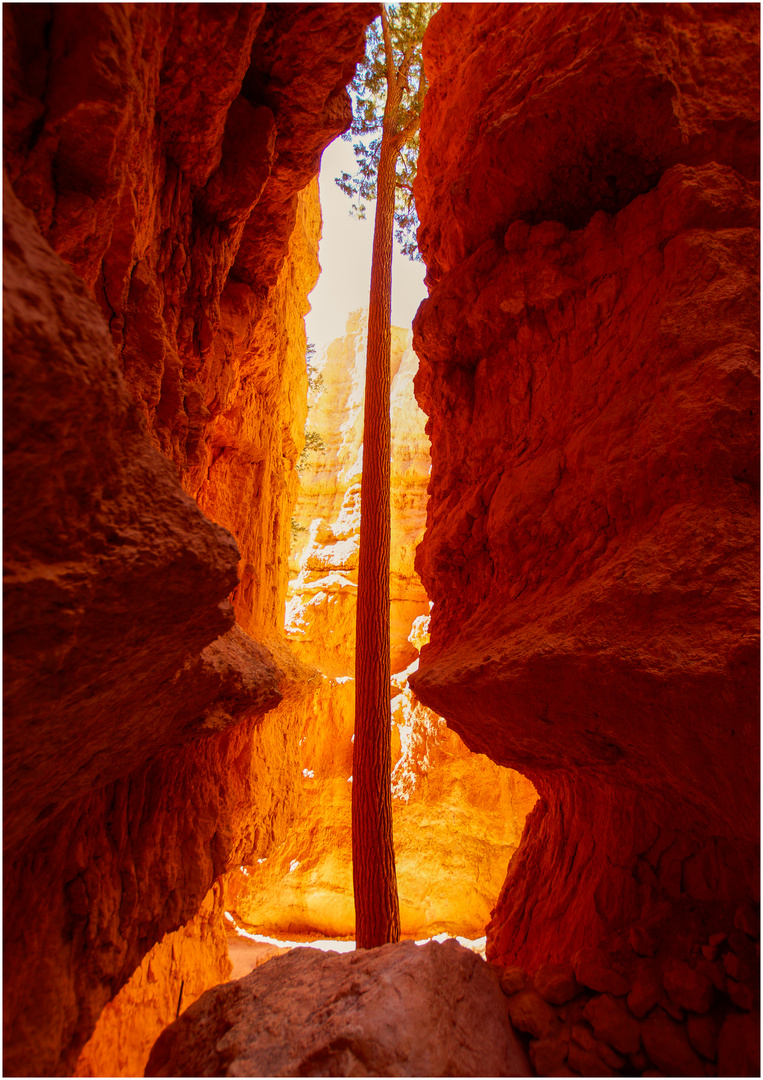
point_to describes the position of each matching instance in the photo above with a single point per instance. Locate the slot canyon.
(575, 549)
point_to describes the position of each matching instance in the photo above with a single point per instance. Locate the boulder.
(667, 1046)
(687, 987)
(400, 1010)
(736, 968)
(742, 994)
(530, 1013)
(739, 1046)
(556, 983)
(513, 980)
(747, 918)
(642, 942)
(593, 968)
(587, 1062)
(549, 1054)
(612, 1023)
(645, 992)
(703, 1035)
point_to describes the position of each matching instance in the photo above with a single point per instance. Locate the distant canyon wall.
(457, 816)
(324, 554)
(588, 196)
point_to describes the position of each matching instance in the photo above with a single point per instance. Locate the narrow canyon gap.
(588, 192)
(440, 790)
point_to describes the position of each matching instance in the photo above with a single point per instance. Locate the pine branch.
(422, 87)
(388, 93)
(402, 72)
(390, 56)
(409, 131)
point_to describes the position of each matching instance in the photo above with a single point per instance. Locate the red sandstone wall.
(588, 195)
(162, 150)
(165, 153)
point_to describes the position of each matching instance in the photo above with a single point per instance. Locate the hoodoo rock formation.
(155, 281)
(440, 789)
(589, 202)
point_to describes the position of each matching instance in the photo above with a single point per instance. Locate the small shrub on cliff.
(313, 443)
(314, 377)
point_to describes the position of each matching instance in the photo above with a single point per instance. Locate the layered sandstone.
(153, 331)
(589, 202)
(440, 789)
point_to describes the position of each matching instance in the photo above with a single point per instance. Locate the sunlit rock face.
(321, 613)
(441, 790)
(589, 206)
(172, 975)
(158, 261)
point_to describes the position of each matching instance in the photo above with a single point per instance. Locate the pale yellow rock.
(249, 485)
(328, 506)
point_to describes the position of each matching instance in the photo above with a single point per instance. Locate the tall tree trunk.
(377, 911)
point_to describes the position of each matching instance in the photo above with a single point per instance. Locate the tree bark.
(377, 912)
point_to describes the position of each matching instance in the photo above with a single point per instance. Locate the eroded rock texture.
(589, 206)
(178, 215)
(401, 1010)
(457, 816)
(154, 292)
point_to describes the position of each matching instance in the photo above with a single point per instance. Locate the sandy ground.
(247, 951)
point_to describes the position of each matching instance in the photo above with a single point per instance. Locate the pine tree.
(389, 93)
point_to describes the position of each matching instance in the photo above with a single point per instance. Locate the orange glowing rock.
(587, 189)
